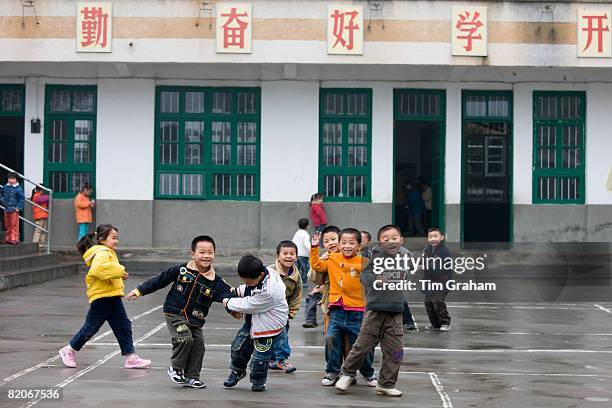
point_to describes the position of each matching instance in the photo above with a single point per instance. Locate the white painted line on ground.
(96, 364)
(405, 348)
(542, 334)
(603, 308)
(518, 307)
(446, 402)
(52, 359)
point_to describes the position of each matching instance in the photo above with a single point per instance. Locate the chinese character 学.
(344, 28)
(468, 26)
(94, 27)
(234, 28)
(595, 24)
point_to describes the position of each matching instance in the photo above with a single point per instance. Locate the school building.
(222, 118)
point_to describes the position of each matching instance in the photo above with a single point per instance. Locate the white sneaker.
(329, 380)
(344, 382)
(445, 327)
(389, 392)
(371, 381)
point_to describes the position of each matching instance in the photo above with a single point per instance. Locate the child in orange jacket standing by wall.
(83, 205)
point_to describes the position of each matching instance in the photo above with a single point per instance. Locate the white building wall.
(125, 139)
(598, 143)
(522, 144)
(33, 152)
(289, 140)
(382, 143)
(452, 159)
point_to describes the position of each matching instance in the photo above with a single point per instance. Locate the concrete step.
(11, 263)
(23, 248)
(25, 277)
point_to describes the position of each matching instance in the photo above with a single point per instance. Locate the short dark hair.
(434, 229)
(367, 234)
(250, 267)
(86, 186)
(330, 228)
(351, 231)
(12, 174)
(387, 228)
(285, 244)
(202, 238)
(303, 223)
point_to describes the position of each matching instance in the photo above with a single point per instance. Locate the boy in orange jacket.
(346, 299)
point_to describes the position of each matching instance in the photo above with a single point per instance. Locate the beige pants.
(40, 236)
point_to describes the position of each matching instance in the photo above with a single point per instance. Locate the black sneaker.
(176, 376)
(258, 388)
(193, 383)
(309, 325)
(233, 378)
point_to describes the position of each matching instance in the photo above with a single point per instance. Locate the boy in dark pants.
(435, 255)
(195, 285)
(262, 300)
(383, 319)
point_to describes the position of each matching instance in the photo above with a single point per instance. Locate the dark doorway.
(417, 161)
(11, 140)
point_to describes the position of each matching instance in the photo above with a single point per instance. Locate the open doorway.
(417, 162)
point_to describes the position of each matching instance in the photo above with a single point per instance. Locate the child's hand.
(316, 239)
(225, 302)
(125, 275)
(317, 289)
(133, 295)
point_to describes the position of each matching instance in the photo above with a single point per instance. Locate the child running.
(383, 319)
(104, 290)
(286, 266)
(346, 299)
(195, 285)
(262, 299)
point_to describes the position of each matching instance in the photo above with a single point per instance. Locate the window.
(345, 142)
(558, 147)
(70, 142)
(207, 143)
(12, 100)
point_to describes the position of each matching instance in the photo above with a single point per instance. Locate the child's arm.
(316, 263)
(82, 202)
(368, 276)
(295, 298)
(20, 199)
(251, 304)
(155, 283)
(103, 267)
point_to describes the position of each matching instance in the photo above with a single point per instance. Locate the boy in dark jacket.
(12, 198)
(383, 319)
(435, 255)
(195, 285)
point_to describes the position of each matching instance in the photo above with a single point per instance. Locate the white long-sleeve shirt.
(301, 239)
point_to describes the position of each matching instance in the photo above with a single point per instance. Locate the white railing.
(47, 210)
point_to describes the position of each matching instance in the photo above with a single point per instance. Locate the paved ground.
(497, 355)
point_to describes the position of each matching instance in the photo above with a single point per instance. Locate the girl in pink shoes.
(104, 290)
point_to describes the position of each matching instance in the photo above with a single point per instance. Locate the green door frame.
(441, 120)
(464, 94)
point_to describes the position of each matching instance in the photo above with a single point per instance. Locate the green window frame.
(12, 100)
(345, 144)
(207, 143)
(559, 141)
(70, 138)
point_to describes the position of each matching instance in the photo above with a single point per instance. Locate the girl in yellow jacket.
(104, 290)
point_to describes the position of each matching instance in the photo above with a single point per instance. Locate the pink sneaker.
(68, 357)
(136, 362)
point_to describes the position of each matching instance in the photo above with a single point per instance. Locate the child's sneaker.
(193, 383)
(371, 381)
(413, 327)
(309, 325)
(344, 382)
(329, 380)
(389, 392)
(285, 366)
(445, 327)
(233, 378)
(136, 362)
(68, 357)
(258, 388)
(176, 376)
(429, 327)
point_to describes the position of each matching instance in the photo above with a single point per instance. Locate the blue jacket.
(12, 197)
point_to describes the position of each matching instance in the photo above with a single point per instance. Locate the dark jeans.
(303, 266)
(281, 350)
(343, 322)
(187, 346)
(408, 319)
(436, 308)
(310, 307)
(258, 351)
(109, 310)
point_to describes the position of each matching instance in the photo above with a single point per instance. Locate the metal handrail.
(47, 189)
